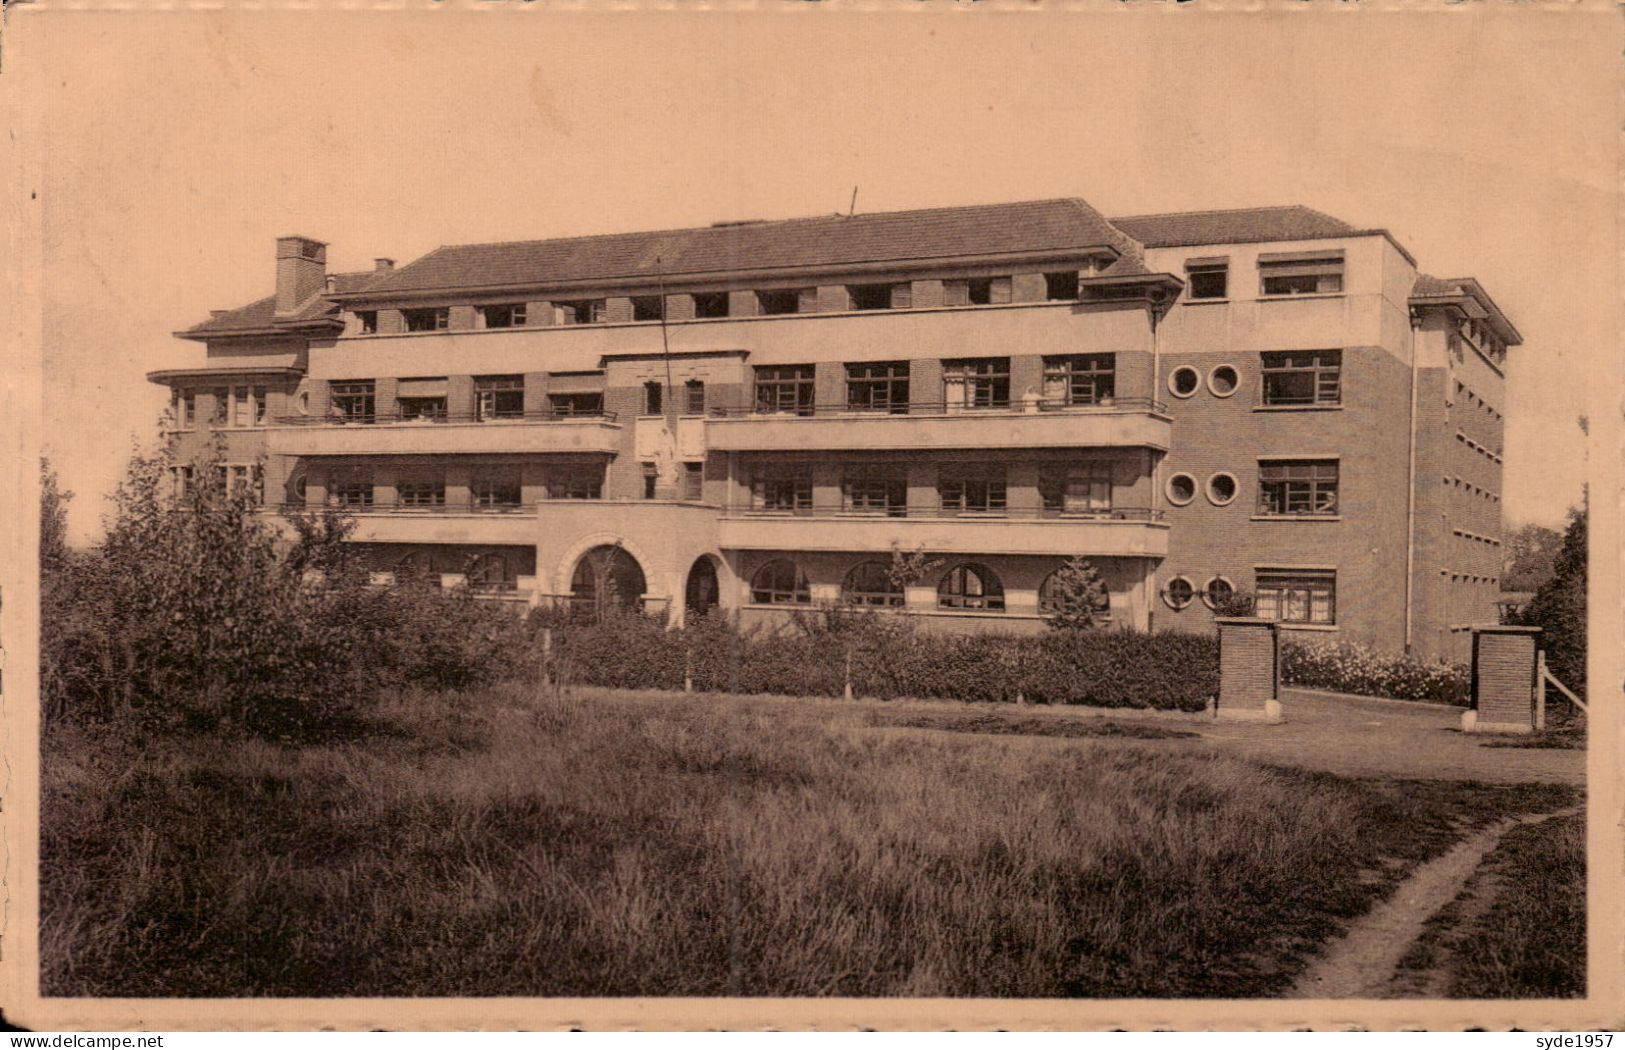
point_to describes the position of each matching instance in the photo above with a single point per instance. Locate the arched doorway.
(701, 594)
(606, 578)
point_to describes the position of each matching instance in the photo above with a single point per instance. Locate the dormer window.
(878, 296)
(1207, 278)
(1301, 273)
(367, 321)
(429, 319)
(508, 315)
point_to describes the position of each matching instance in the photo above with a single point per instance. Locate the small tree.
(1079, 599)
(53, 519)
(910, 567)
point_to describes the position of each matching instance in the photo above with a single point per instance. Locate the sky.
(172, 148)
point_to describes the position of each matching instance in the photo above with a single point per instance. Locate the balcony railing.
(540, 415)
(1145, 514)
(946, 408)
(398, 507)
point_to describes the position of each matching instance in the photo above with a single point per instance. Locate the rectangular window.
(976, 383)
(367, 321)
(972, 490)
(651, 480)
(785, 388)
(1301, 273)
(427, 319)
(422, 409)
(495, 491)
(1296, 596)
(1303, 377)
(507, 315)
(783, 494)
(876, 296)
(189, 408)
(976, 291)
(242, 408)
(693, 481)
(710, 304)
(576, 483)
(579, 311)
(260, 395)
(654, 399)
(246, 478)
(1207, 278)
(780, 301)
(576, 404)
(874, 491)
(648, 308)
(694, 398)
(1081, 490)
(1080, 379)
(352, 401)
(421, 494)
(351, 493)
(877, 386)
(222, 405)
(499, 397)
(1061, 287)
(1297, 487)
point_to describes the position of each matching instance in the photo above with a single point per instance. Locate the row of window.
(961, 489)
(892, 295)
(1300, 273)
(1287, 488)
(1493, 455)
(1468, 487)
(1463, 393)
(1288, 378)
(235, 478)
(1466, 534)
(487, 490)
(966, 587)
(1285, 596)
(966, 383)
(1478, 334)
(242, 405)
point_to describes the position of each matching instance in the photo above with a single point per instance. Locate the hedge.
(1346, 667)
(889, 659)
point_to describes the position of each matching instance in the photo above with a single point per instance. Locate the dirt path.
(1362, 964)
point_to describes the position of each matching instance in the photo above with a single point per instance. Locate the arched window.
(1050, 594)
(780, 582)
(971, 587)
(607, 576)
(413, 567)
(869, 583)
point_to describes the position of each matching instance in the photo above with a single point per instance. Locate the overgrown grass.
(1517, 929)
(512, 843)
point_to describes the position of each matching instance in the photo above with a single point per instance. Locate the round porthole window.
(1181, 489)
(1178, 593)
(1221, 489)
(1184, 381)
(303, 403)
(1223, 380)
(1216, 591)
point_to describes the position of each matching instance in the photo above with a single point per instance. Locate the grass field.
(521, 844)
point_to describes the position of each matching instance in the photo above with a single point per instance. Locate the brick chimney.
(301, 271)
(383, 265)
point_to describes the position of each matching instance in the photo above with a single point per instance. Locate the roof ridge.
(739, 223)
(1222, 211)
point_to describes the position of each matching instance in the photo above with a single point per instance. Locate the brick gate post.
(1249, 670)
(1503, 680)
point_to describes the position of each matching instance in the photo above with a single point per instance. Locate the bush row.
(887, 658)
(1346, 667)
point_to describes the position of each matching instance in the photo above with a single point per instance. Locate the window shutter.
(902, 296)
(1001, 290)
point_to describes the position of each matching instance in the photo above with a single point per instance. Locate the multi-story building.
(757, 414)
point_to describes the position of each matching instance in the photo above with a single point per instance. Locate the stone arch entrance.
(607, 577)
(703, 591)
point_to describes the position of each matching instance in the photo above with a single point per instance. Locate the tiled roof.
(1428, 286)
(827, 241)
(261, 313)
(1292, 222)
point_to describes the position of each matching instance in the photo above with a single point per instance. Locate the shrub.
(1345, 667)
(1559, 607)
(887, 657)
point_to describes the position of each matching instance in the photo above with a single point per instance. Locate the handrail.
(1011, 405)
(433, 418)
(397, 507)
(1144, 514)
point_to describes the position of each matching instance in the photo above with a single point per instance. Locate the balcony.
(1123, 423)
(371, 435)
(1122, 532)
(382, 522)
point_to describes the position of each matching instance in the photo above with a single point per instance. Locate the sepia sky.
(178, 145)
